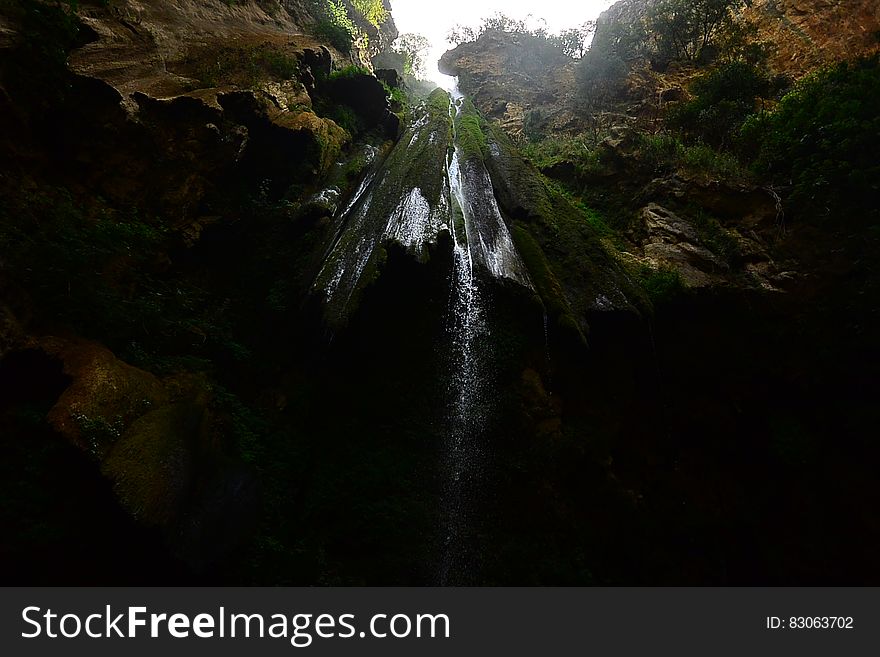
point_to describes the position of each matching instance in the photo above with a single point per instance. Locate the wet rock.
(570, 265)
(318, 62)
(539, 407)
(323, 204)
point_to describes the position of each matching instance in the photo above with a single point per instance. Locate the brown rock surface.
(807, 34)
(105, 397)
(505, 78)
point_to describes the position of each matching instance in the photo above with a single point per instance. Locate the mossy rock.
(106, 395)
(327, 137)
(415, 164)
(576, 271)
(152, 465)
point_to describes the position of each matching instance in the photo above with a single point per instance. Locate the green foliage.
(397, 96)
(723, 99)
(661, 285)
(243, 423)
(714, 236)
(624, 40)
(49, 32)
(413, 49)
(95, 271)
(349, 72)
(373, 10)
(535, 124)
(573, 42)
(346, 118)
(665, 153)
(248, 67)
(684, 29)
(601, 74)
(338, 35)
(822, 142)
(335, 25)
(579, 152)
(568, 44)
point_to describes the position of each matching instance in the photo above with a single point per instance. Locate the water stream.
(457, 196)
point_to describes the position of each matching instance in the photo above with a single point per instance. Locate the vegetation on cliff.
(696, 333)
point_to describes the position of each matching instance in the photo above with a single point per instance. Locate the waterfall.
(428, 186)
(482, 246)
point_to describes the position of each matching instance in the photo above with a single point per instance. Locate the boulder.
(152, 465)
(674, 243)
(105, 397)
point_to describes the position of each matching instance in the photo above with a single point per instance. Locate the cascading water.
(417, 194)
(482, 246)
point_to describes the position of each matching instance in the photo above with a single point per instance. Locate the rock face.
(510, 75)
(167, 111)
(106, 395)
(214, 92)
(159, 445)
(673, 243)
(802, 34)
(806, 34)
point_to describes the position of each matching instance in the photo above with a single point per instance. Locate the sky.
(434, 18)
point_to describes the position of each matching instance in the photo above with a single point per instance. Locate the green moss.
(349, 72)
(151, 465)
(250, 66)
(574, 238)
(661, 285)
(470, 137)
(545, 281)
(438, 101)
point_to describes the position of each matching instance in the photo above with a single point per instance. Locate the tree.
(684, 29)
(373, 10)
(574, 42)
(414, 49)
(723, 99)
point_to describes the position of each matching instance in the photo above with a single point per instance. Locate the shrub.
(664, 153)
(580, 152)
(373, 10)
(723, 99)
(661, 285)
(684, 29)
(335, 24)
(338, 36)
(822, 141)
(535, 124)
(348, 72)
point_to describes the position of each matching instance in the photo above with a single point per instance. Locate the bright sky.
(434, 18)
